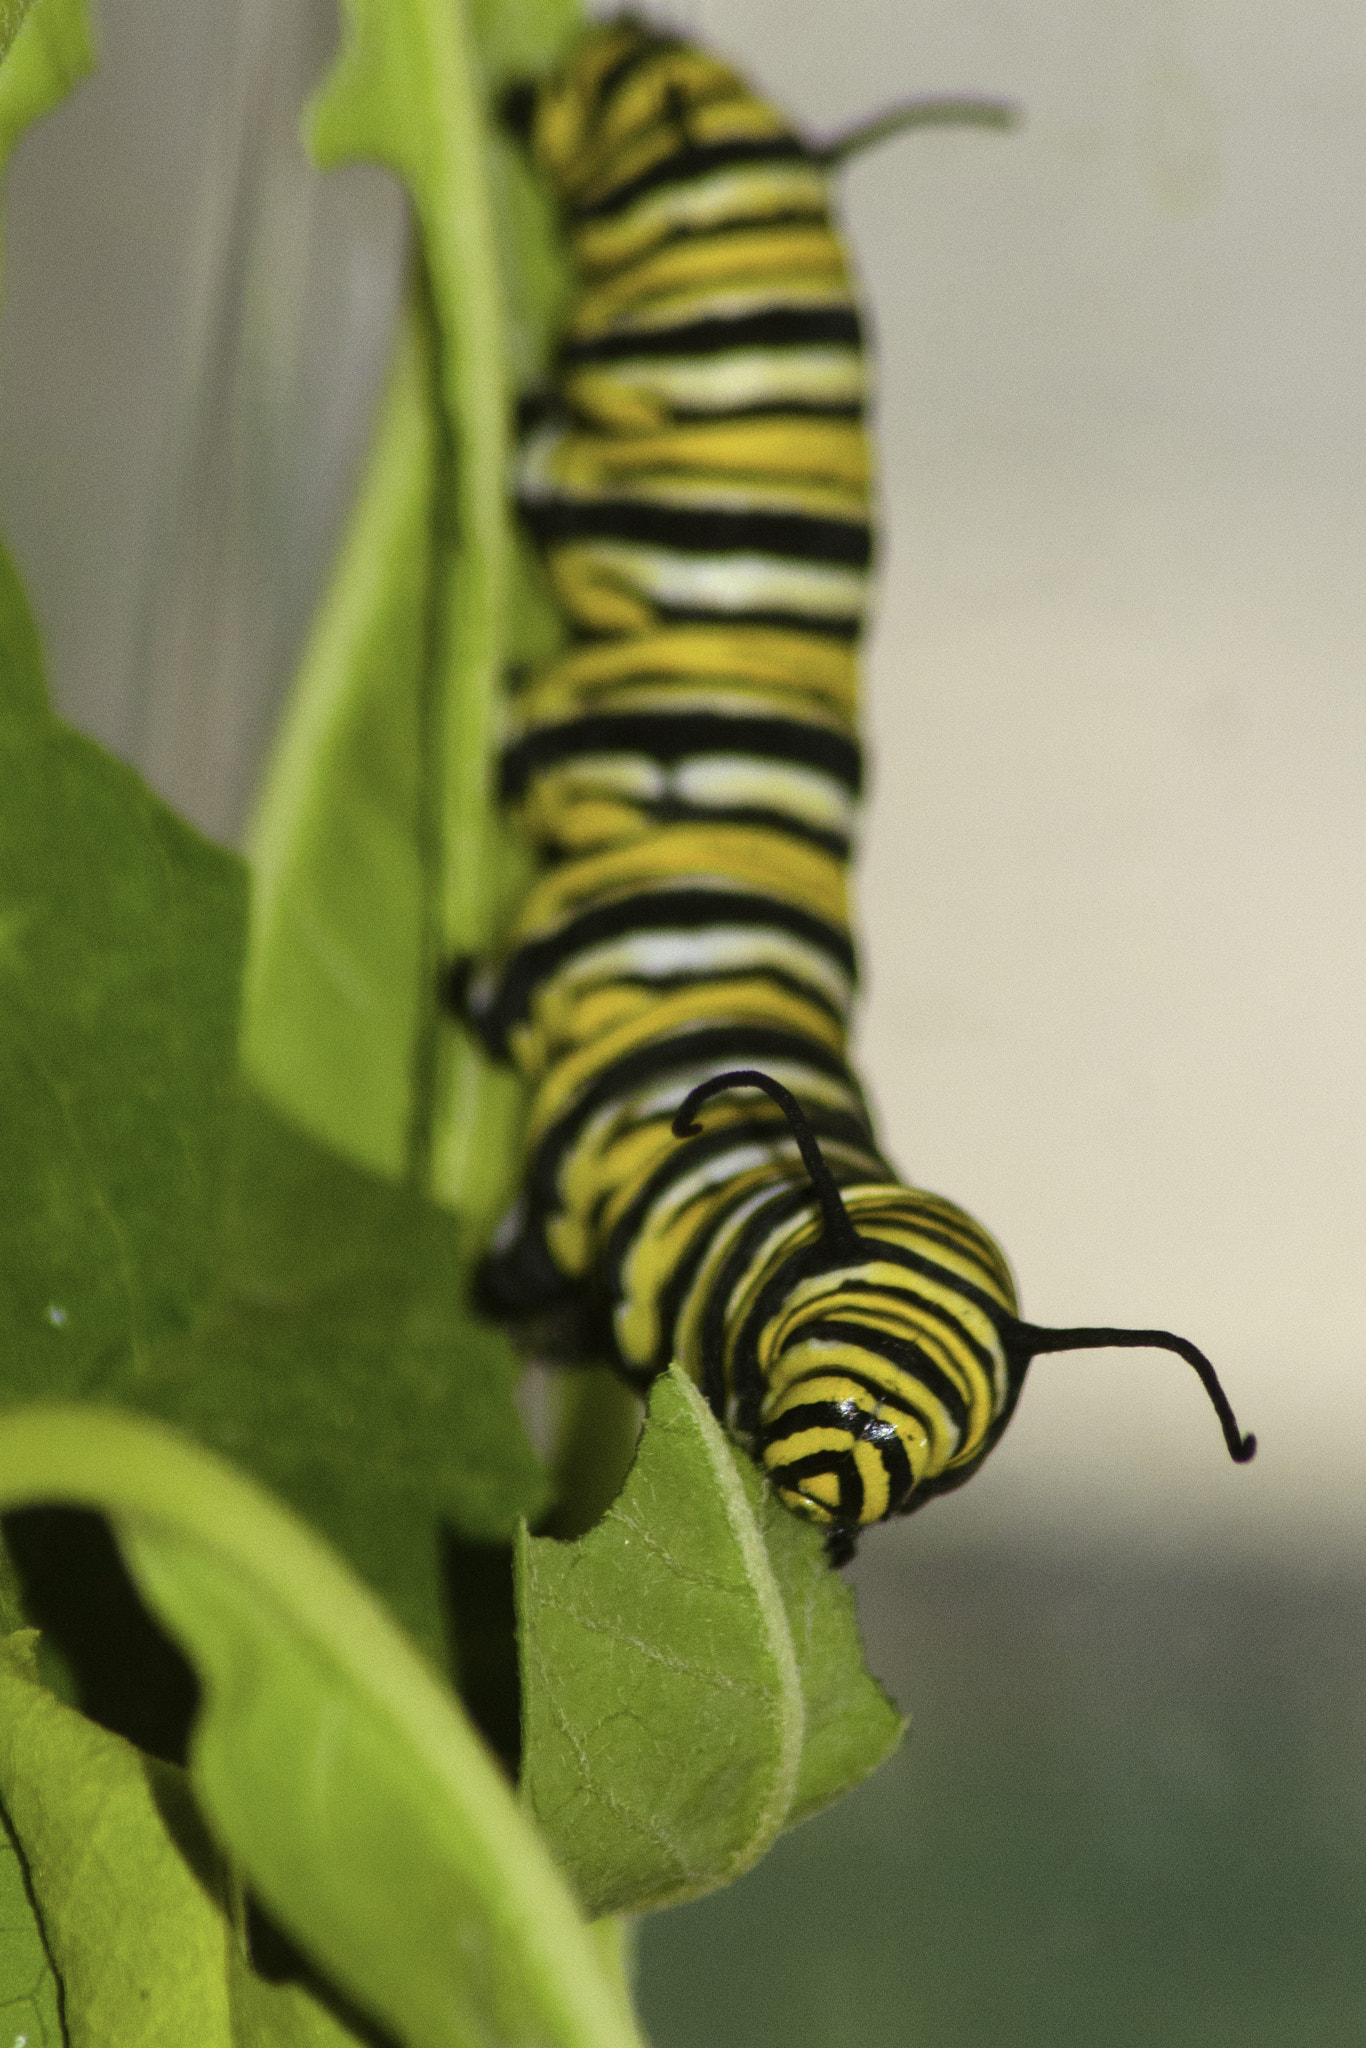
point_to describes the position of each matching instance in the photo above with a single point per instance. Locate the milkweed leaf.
(342, 1367)
(332, 1001)
(849, 1726)
(332, 1766)
(134, 1896)
(523, 39)
(167, 1245)
(120, 941)
(30, 1998)
(418, 624)
(661, 1701)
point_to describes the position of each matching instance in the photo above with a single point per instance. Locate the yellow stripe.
(825, 1484)
(833, 1384)
(755, 1003)
(877, 1494)
(881, 1273)
(926, 1417)
(807, 1443)
(802, 256)
(569, 1015)
(557, 813)
(744, 856)
(895, 1212)
(568, 111)
(663, 1238)
(584, 469)
(776, 662)
(820, 452)
(634, 139)
(611, 588)
(748, 192)
(598, 599)
(729, 300)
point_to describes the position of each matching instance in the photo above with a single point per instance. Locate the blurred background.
(1115, 994)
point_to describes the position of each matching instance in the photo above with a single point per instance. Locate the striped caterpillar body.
(687, 772)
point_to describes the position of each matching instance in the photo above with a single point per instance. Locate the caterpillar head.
(876, 1365)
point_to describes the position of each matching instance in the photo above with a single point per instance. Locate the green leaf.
(850, 1726)
(342, 1368)
(378, 850)
(134, 1896)
(522, 38)
(47, 48)
(331, 1764)
(316, 1333)
(30, 2003)
(516, 42)
(120, 937)
(129, 1925)
(339, 941)
(661, 1702)
(404, 92)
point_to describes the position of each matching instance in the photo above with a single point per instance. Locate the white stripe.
(741, 377)
(730, 583)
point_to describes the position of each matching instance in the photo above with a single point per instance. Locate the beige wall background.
(1112, 869)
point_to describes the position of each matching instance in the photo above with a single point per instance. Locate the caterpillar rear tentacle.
(963, 110)
(688, 770)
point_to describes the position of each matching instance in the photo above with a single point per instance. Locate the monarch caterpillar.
(687, 772)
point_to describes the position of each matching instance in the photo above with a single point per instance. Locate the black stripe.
(742, 1376)
(644, 50)
(708, 530)
(930, 1269)
(851, 1490)
(844, 630)
(908, 1357)
(858, 1426)
(667, 811)
(774, 1294)
(690, 161)
(844, 1133)
(900, 1479)
(845, 1469)
(939, 1233)
(775, 977)
(668, 737)
(672, 234)
(824, 1414)
(714, 1046)
(644, 910)
(770, 409)
(832, 1127)
(799, 1266)
(774, 327)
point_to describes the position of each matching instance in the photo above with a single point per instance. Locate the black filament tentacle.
(1029, 1340)
(840, 1233)
(961, 110)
